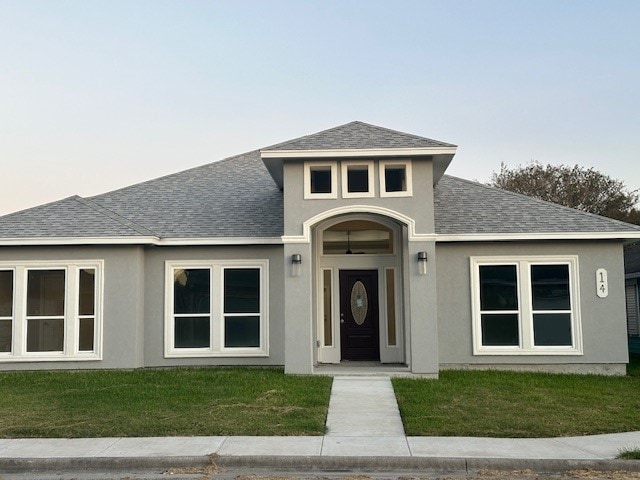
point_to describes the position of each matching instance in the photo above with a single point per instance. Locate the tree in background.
(577, 187)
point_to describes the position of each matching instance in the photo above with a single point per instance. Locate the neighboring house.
(346, 245)
(632, 283)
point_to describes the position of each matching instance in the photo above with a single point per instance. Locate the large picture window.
(50, 311)
(216, 308)
(525, 305)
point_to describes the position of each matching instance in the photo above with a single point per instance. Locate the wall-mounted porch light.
(296, 262)
(422, 263)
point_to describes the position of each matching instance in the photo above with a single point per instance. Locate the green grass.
(198, 401)
(629, 454)
(512, 404)
(246, 401)
(633, 368)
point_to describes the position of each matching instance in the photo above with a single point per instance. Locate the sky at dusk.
(97, 95)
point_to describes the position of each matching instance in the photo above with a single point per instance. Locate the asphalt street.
(213, 473)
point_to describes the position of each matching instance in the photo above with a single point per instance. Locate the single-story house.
(347, 246)
(632, 284)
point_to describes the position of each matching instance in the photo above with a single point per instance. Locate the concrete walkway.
(449, 454)
(364, 432)
(595, 447)
(363, 407)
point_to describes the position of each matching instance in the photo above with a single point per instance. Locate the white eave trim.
(305, 238)
(359, 152)
(220, 241)
(502, 237)
(44, 241)
(77, 241)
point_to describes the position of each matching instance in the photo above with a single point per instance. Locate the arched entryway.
(358, 276)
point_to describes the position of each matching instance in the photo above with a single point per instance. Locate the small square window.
(395, 178)
(357, 179)
(320, 180)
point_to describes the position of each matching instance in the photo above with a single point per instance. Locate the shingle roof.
(462, 206)
(70, 217)
(357, 135)
(236, 197)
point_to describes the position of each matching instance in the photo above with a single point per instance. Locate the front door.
(359, 329)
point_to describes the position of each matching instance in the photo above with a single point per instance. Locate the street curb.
(311, 463)
(72, 464)
(442, 464)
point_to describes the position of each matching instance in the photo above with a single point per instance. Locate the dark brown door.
(359, 337)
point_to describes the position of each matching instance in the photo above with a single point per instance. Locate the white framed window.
(6, 309)
(320, 180)
(357, 179)
(526, 305)
(395, 178)
(216, 308)
(51, 310)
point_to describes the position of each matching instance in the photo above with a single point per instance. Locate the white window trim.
(11, 317)
(383, 183)
(344, 167)
(216, 329)
(525, 310)
(71, 315)
(307, 181)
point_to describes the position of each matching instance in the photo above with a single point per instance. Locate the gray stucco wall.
(418, 207)
(300, 346)
(603, 319)
(123, 296)
(154, 313)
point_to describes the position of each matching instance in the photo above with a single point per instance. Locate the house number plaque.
(602, 285)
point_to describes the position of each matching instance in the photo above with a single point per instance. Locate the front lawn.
(198, 401)
(512, 404)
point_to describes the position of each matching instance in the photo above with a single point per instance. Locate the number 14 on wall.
(602, 285)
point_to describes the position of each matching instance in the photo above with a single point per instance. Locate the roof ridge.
(360, 123)
(545, 202)
(309, 135)
(141, 229)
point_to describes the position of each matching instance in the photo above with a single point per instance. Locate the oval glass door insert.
(359, 302)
